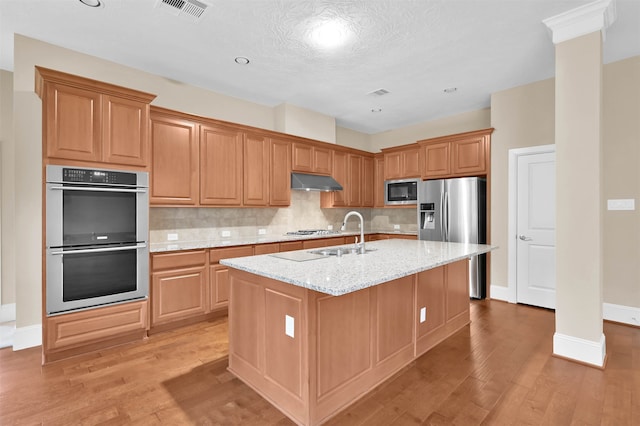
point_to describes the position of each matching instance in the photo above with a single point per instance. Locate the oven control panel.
(98, 176)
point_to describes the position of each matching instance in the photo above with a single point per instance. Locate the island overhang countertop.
(338, 275)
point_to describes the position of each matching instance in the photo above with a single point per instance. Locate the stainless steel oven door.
(90, 277)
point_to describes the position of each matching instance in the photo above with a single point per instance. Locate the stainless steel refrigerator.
(454, 210)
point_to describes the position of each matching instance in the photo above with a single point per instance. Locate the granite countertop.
(391, 259)
(258, 239)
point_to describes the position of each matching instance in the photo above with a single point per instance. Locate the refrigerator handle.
(446, 215)
(442, 226)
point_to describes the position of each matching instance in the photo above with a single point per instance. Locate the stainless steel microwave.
(401, 192)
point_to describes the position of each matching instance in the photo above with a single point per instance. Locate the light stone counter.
(156, 247)
(391, 259)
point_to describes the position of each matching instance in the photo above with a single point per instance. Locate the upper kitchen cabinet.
(378, 178)
(174, 160)
(256, 168)
(221, 154)
(402, 162)
(280, 173)
(308, 158)
(87, 121)
(463, 154)
(355, 172)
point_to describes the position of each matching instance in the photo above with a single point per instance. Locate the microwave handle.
(100, 250)
(93, 189)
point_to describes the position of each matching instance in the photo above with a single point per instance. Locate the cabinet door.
(469, 156)
(354, 187)
(378, 186)
(220, 166)
(436, 160)
(411, 162)
(174, 161)
(178, 294)
(302, 157)
(340, 173)
(124, 131)
(392, 165)
(280, 174)
(72, 120)
(368, 182)
(322, 160)
(218, 287)
(256, 170)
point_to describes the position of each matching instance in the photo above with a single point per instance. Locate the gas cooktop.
(313, 232)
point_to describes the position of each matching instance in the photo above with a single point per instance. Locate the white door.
(536, 230)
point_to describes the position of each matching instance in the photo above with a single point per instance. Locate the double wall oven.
(96, 237)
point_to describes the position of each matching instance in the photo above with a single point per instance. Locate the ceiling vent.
(379, 92)
(191, 9)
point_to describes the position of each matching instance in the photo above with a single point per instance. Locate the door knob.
(524, 237)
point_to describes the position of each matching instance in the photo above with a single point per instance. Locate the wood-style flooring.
(497, 371)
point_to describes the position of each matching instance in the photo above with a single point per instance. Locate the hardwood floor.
(498, 371)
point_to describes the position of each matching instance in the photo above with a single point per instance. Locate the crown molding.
(595, 16)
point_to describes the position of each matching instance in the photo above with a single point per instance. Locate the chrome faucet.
(359, 246)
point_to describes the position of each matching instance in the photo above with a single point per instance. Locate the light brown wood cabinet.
(256, 170)
(280, 173)
(308, 158)
(175, 169)
(355, 173)
(354, 180)
(378, 187)
(220, 166)
(368, 182)
(464, 154)
(340, 173)
(402, 162)
(80, 332)
(219, 274)
(179, 283)
(88, 121)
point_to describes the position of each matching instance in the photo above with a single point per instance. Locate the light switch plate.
(289, 326)
(262, 231)
(172, 237)
(423, 314)
(396, 226)
(226, 233)
(622, 204)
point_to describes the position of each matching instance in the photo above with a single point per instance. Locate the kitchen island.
(313, 333)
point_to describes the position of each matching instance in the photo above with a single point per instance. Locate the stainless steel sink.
(338, 251)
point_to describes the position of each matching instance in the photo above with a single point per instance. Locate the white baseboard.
(582, 350)
(499, 292)
(8, 312)
(27, 337)
(620, 313)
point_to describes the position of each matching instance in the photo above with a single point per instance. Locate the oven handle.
(94, 189)
(100, 250)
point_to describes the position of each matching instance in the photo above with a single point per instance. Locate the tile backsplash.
(196, 224)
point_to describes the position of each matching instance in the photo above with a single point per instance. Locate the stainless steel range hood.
(305, 182)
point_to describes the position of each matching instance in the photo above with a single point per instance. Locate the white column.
(578, 36)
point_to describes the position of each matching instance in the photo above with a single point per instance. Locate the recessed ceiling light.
(376, 109)
(242, 60)
(91, 3)
(450, 90)
(330, 33)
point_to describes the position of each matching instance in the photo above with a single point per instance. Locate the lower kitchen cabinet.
(85, 331)
(179, 282)
(219, 275)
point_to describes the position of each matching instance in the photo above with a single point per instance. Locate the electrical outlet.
(396, 226)
(172, 237)
(226, 233)
(289, 326)
(423, 314)
(626, 204)
(330, 227)
(262, 231)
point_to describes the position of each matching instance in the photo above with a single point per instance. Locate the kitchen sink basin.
(338, 251)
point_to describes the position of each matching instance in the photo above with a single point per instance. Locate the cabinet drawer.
(225, 253)
(178, 260)
(267, 248)
(81, 328)
(291, 246)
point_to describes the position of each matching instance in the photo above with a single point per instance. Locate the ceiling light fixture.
(330, 33)
(91, 3)
(241, 60)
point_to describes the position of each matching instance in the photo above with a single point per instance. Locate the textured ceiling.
(413, 49)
